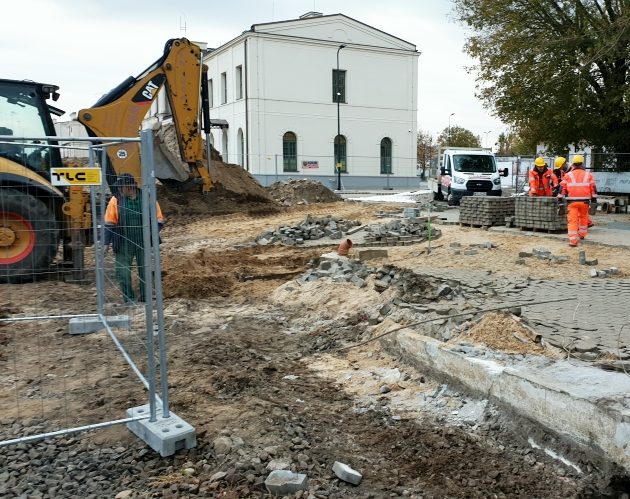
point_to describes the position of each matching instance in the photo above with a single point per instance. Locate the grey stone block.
(346, 473)
(357, 281)
(284, 482)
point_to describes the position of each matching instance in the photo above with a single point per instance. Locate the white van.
(466, 171)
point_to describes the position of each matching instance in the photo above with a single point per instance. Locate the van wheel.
(450, 199)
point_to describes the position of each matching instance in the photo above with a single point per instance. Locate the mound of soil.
(233, 190)
(301, 191)
(502, 332)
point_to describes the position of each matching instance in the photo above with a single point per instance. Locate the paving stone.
(346, 473)
(284, 482)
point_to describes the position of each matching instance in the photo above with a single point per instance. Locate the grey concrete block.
(357, 281)
(164, 435)
(87, 325)
(284, 482)
(346, 473)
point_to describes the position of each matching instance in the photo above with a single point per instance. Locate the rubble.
(346, 473)
(311, 228)
(400, 232)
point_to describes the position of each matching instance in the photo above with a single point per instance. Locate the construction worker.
(561, 168)
(578, 186)
(123, 222)
(542, 180)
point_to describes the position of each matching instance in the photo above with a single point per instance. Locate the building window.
(340, 154)
(224, 146)
(239, 82)
(211, 139)
(289, 152)
(339, 85)
(211, 92)
(386, 155)
(223, 88)
(241, 147)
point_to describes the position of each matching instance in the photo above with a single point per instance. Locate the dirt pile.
(301, 191)
(233, 188)
(502, 332)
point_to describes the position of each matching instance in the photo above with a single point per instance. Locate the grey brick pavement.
(586, 325)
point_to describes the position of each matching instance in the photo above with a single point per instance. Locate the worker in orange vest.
(542, 180)
(562, 167)
(123, 231)
(578, 186)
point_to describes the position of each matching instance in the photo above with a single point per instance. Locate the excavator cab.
(25, 113)
(30, 206)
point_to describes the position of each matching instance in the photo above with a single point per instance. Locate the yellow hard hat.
(559, 161)
(539, 162)
(578, 159)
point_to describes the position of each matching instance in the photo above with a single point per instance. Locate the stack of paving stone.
(399, 232)
(310, 228)
(539, 213)
(485, 211)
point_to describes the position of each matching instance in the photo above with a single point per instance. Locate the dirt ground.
(249, 358)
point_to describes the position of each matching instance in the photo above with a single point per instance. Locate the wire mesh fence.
(79, 256)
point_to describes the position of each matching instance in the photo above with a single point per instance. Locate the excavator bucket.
(166, 155)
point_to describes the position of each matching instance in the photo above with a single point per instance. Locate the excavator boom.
(120, 113)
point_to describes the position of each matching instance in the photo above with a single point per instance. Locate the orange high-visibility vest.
(541, 183)
(578, 185)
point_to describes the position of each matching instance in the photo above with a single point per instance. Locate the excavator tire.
(28, 236)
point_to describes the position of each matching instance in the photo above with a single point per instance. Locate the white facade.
(277, 79)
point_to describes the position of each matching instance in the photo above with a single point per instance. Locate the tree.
(557, 71)
(426, 150)
(512, 144)
(459, 137)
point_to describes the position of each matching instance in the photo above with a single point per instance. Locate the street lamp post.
(337, 141)
(449, 129)
(487, 137)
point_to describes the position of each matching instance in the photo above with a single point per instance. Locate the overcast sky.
(87, 47)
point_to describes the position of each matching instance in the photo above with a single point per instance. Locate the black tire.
(450, 199)
(40, 229)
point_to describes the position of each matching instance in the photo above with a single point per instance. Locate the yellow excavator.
(36, 216)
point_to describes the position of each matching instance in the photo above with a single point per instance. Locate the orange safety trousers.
(577, 221)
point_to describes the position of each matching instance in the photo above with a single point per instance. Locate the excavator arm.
(120, 112)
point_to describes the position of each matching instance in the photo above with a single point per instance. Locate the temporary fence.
(56, 379)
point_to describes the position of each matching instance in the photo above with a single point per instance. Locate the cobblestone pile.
(539, 213)
(311, 228)
(403, 232)
(485, 211)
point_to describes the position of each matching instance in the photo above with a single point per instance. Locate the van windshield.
(474, 163)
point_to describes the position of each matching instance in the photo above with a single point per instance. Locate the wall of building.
(289, 89)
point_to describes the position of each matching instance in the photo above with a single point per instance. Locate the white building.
(275, 86)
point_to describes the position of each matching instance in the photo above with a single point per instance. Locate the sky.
(87, 47)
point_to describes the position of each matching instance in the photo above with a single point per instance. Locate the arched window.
(340, 154)
(224, 146)
(211, 139)
(289, 152)
(241, 148)
(386, 155)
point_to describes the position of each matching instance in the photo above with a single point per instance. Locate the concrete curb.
(585, 405)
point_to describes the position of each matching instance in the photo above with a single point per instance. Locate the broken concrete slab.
(284, 482)
(346, 473)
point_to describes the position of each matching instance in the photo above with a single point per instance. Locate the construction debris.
(400, 232)
(311, 228)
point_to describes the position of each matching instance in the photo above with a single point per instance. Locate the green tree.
(512, 144)
(557, 71)
(459, 137)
